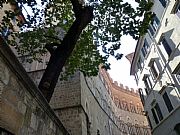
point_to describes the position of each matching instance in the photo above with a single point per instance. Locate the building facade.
(129, 109)
(84, 105)
(14, 22)
(23, 109)
(95, 105)
(156, 67)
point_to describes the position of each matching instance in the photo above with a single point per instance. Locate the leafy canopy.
(48, 20)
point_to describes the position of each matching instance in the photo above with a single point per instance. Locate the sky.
(120, 70)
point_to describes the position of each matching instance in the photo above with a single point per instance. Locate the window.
(163, 2)
(176, 73)
(154, 25)
(154, 69)
(140, 63)
(141, 95)
(143, 52)
(178, 76)
(157, 114)
(167, 102)
(145, 48)
(147, 83)
(151, 30)
(136, 77)
(166, 46)
(178, 11)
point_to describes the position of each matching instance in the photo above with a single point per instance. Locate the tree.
(77, 49)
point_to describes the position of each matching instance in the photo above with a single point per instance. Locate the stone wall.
(80, 109)
(23, 109)
(66, 101)
(86, 107)
(99, 107)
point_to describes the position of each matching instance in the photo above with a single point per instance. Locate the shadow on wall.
(5, 132)
(162, 108)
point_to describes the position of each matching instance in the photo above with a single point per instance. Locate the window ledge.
(173, 11)
(162, 89)
(152, 61)
(176, 69)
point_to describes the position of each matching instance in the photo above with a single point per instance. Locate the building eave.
(136, 54)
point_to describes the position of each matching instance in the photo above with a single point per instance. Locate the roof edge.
(137, 50)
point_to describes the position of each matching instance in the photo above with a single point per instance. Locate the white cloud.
(120, 70)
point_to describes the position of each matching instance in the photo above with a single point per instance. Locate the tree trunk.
(63, 51)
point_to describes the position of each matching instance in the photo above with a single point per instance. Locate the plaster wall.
(166, 80)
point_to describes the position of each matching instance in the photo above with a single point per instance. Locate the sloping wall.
(23, 109)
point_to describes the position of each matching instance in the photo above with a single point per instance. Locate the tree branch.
(77, 8)
(60, 55)
(51, 47)
(52, 37)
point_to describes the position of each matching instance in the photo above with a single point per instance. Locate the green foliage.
(86, 56)
(112, 19)
(116, 18)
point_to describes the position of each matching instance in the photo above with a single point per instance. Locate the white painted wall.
(170, 26)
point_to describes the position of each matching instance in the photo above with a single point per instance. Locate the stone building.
(84, 105)
(129, 109)
(156, 67)
(94, 105)
(23, 109)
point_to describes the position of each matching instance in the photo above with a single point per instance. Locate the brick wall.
(127, 100)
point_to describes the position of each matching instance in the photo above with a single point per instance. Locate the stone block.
(21, 107)
(11, 119)
(34, 122)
